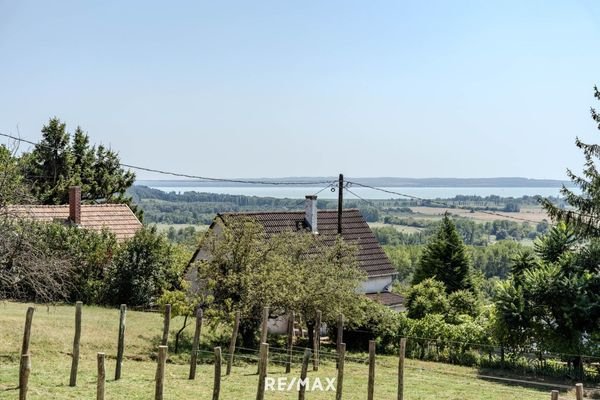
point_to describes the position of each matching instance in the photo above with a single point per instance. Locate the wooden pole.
(195, 344)
(27, 331)
(554, 395)
(24, 372)
(401, 369)
(101, 377)
(76, 340)
(340, 374)
(579, 391)
(290, 342)
(26, 340)
(317, 341)
(166, 324)
(234, 335)
(160, 373)
(371, 386)
(217, 384)
(262, 370)
(340, 334)
(121, 343)
(264, 325)
(303, 373)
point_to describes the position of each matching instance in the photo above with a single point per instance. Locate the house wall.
(377, 284)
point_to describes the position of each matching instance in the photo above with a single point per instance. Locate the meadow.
(51, 346)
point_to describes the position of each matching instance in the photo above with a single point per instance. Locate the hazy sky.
(310, 88)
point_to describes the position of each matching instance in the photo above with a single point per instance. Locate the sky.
(310, 88)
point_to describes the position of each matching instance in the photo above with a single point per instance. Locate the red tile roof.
(371, 257)
(386, 298)
(117, 218)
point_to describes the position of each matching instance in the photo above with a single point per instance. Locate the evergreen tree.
(584, 216)
(49, 167)
(57, 163)
(445, 259)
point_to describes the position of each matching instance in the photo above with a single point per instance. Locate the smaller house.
(354, 229)
(116, 218)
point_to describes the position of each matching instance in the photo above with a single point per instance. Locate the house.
(354, 229)
(116, 218)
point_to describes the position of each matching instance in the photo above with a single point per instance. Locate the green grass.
(51, 344)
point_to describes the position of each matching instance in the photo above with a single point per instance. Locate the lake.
(422, 192)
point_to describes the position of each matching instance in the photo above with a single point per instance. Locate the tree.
(144, 267)
(584, 214)
(58, 162)
(445, 259)
(246, 270)
(427, 297)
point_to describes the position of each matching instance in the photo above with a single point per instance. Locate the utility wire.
(439, 203)
(182, 175)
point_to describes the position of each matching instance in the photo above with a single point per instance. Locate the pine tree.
(584, 216)
(445, 259)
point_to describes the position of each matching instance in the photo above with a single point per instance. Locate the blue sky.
(281, 88)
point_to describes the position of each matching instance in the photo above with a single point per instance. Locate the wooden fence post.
(234, 335)
(340, 334)
(264, 325)
(76, 339)
(371, 386)
(196, 343)
(101, 377)
(262, 370)
(340, 374)
(217, 382)
(317, 341)
(579, 391)
(554, 395)
(24, 372)
(290, 341)
(27, 331)
(160, 373)
(401, 369)
(166, 324)
(26, 341)
(303, 373)
(121, 343)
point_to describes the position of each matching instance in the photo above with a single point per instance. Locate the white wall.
(377, 284)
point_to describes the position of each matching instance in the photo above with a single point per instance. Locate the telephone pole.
(340, 202)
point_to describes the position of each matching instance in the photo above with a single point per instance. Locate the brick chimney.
(75, 205)
(310, 213)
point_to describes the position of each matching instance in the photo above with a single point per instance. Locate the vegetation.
(445, 258)
(52, 341)
(290, 271)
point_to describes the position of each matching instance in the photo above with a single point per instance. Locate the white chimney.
(310, 213)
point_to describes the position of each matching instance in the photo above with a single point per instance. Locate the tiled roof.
(117, 218)
(371, 257)
(386, 298)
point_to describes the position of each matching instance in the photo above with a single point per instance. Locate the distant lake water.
(423, 192)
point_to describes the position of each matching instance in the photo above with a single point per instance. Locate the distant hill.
(380, 182)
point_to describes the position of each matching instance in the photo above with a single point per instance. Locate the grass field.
(51, 344)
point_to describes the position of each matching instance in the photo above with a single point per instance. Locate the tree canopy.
(60, 160)
(445, 259)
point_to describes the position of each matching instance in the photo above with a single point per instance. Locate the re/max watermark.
(284, 384)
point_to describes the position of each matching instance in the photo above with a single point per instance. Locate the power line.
(190, 176)
(445, 205)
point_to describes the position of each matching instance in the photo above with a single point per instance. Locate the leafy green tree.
(246, 270)
(144, 267)
(584, 213)
(427, 297)
(445, 258)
